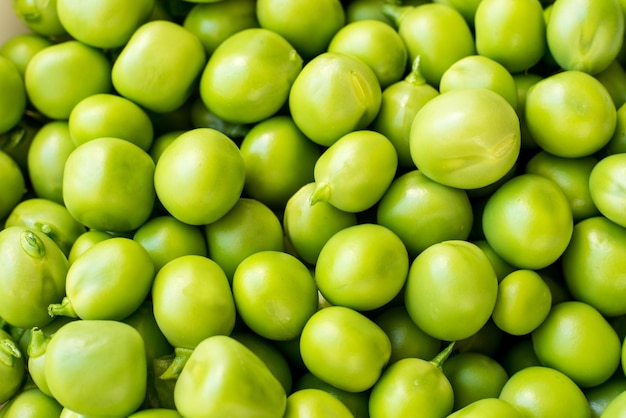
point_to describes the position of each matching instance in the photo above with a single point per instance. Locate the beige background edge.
(10, 24)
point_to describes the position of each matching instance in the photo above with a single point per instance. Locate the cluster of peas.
(313, 208)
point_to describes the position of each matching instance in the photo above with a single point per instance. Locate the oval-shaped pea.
(426, 30)
(340, 175)
(33, 275)
(511, 32)
(115, 354)
(193, 290)
(585, 35)
(333, 95)
(159, 48)
(308, 227)
(110, 281)
(224, 378)
(249, 75)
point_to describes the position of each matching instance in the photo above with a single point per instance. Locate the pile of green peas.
(313, 208)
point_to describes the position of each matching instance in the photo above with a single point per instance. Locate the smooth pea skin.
(355, 171)
(275, 294)
(355, 401)
(20, 48)
(213, 22)
(423, 212)
(377, 44)
(110, 281)
(13, 100)
(426, 30)
(108, 184)
(570, 114)
(467, 8)
(114, 356)
(362, 267)
(279, 160)
(17, 142)
(36, 350)
(511, 32)
(224, 378)
(333, 95)
(585, 35)
(315, 403)
(249, 75)
(50, 148)
(591, 263)
(100, 24)
(249, 227)
(457, 140)
(520, 355)
(33, 275)
(103, 115)
(14, 186)
(572, 175)
(400, 103)
(606, 185)
(578, 341)
(487, 408)
(616, 407)
(617, 144)
(200, 176)
(68, 413)
(601, 396)
(85, 241)
(192, 290)
(155, 342)
(170, 54)
(523, 303)
(528, 221)
(32, 403)
(344, 348)
(308, 25)
(55, 80)
(473, 376)
(26, 336)
(308, 227)
(539, 391)
(613, 78)
(477, 71)
(410, 385)
(166, 238)
(365, 10)
(407, 339)
(156, 413)
(267, 351)
(40, 17)
(439, 277)
(48, 217)
(500, 266)
(12, 370)
(486, 340)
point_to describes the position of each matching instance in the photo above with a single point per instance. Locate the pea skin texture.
(312, 208)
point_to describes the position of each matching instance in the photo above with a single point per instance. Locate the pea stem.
(32, 244)
(64, 308)
(394, 12)
(415, 76)
(179, 361)
(443, 355)
(13, 138)
(9, 351)
(38, 343)
(320, 194)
